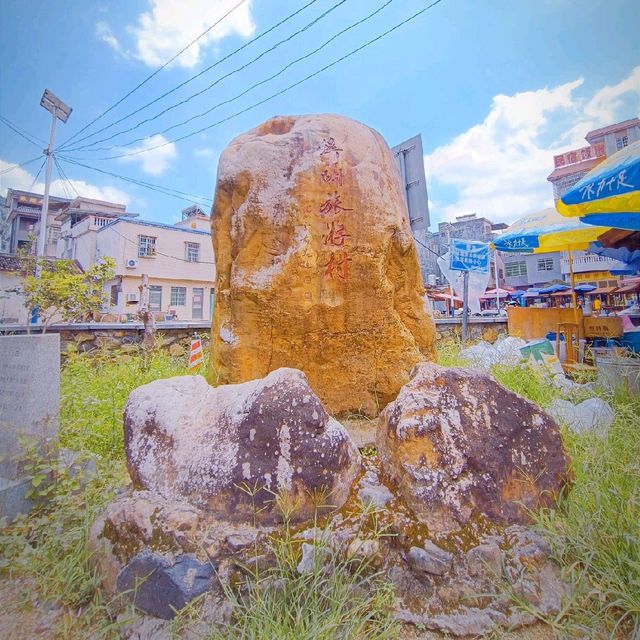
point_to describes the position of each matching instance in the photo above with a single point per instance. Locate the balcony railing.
(590, 262)
(101, 222)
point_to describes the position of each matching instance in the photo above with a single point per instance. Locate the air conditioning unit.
(132, 297)
(132, 263)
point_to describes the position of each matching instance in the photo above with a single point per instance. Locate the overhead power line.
(188, 80)
(209, 87)
(33, 184)
(63, 176)
(23, 134)
(282, 91)
(242, 93)
(13, 167)
(181, 195)
(157, 71)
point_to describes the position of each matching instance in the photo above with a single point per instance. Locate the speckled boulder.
(316, 267)
(230, 450)
(460, 446)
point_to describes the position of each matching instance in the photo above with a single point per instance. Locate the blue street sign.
(469, 255)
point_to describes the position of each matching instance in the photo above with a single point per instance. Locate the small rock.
(593, 415)
(363, 548)
(485, 558)
(144, 628)
(241, 540)
(310, 554)
(176, 350)
(430, 559)
(377, 495)
(160, 588)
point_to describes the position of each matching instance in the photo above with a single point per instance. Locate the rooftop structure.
(571, 166)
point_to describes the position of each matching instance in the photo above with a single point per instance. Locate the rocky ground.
(24, 619)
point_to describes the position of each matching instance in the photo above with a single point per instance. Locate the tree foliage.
(62, 290)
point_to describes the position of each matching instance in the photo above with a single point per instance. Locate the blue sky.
(494, 87)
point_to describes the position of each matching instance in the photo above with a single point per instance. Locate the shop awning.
(602, 291)
(629, 288)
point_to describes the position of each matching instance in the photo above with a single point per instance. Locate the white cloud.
(498, 168)
(104, 33)
(205, 152)
(171, 24)
(20, 178)
(153, 162)
(603, 108)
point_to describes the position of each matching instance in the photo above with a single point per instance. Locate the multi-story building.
(178, 259)
(530, 270)
(536, 270)
(22, 220)
(465, 227)
(571, 166)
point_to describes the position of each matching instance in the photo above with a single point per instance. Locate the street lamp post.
(59, 111)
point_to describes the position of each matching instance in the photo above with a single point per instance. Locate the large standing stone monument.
(29, 408)
(316, 266)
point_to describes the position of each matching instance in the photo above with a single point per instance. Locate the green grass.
(94, 389)
(338, 597)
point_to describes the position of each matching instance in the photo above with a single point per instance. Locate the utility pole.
(465, 307)
(146, 315)
(495, 267)
(59, 111)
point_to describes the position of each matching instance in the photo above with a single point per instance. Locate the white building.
(178, 259)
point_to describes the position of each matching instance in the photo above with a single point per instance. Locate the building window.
(115, 290)
(178, 296)
(155, 298)
(192, 249)
(53, 234)
(545, 264)
(515, 269)
(622, 142)
(146, 246)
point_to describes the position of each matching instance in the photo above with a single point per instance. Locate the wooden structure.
(602, 327)
(531, 323)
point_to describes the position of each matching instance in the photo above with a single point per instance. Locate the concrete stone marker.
(29, 407)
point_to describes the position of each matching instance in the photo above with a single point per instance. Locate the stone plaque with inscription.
(29, 400)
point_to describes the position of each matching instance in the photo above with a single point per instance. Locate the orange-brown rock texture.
(460, 446)
(316, 266)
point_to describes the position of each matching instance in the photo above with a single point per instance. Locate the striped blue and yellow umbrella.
(546, 231)
(609, 194)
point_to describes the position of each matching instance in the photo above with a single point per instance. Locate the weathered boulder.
(315, 262)
(459, 445)
(231, 450)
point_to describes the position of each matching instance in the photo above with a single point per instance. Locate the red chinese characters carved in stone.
(330, 151)
(337, 266)
(332, 205)
(336, 234)
(332, 175)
